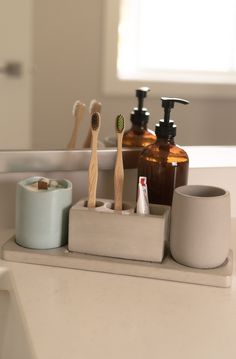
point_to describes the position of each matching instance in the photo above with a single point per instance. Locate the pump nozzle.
(140, 114)
(141, 93)
(168, 103)
(167, 127)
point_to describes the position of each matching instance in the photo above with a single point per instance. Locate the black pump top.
(140, 115)
(166, 127)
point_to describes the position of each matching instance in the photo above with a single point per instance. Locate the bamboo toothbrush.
(78, 113)
(93, 166)
(94, 106)
(119, 169)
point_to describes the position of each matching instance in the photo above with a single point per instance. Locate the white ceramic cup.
(200, 226)
(42, 216)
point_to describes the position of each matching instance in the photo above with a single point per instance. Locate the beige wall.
(15, 92)
(68, 54)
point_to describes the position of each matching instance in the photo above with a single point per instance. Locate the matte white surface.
(79, 314)
(211, 156)
(14, 336)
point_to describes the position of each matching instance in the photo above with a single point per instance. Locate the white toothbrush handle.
(78, 119)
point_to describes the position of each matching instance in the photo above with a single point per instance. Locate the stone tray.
(167, 270)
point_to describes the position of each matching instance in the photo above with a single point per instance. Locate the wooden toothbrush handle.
(74, 137)
(119, 176)
(73, 140)
(93, 173)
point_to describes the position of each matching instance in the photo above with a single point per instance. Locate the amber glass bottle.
(139, 135)
(163, 163)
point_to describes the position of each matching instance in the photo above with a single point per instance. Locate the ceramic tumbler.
(200, 226)
(42, 215)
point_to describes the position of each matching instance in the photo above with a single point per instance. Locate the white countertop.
(75, 314)
(211, 156)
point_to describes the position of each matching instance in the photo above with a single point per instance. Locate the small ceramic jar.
(42, 215)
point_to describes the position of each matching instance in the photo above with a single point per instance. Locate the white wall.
(68, 53)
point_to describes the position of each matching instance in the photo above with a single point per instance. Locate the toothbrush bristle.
(120, 123)
(95, 120)
(76, 105)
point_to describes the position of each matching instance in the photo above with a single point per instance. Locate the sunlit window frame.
(218, 87)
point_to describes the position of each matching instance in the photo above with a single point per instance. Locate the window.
(183, 47)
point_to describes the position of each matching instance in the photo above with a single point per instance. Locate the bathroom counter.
(73, 314)
(78, 314)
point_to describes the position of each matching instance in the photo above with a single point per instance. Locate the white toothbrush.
(78, 113)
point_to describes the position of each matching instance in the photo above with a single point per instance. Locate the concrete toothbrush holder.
(42, 215)
(119, 234)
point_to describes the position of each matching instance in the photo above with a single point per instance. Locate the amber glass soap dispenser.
(139, 135)
(163, 163)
